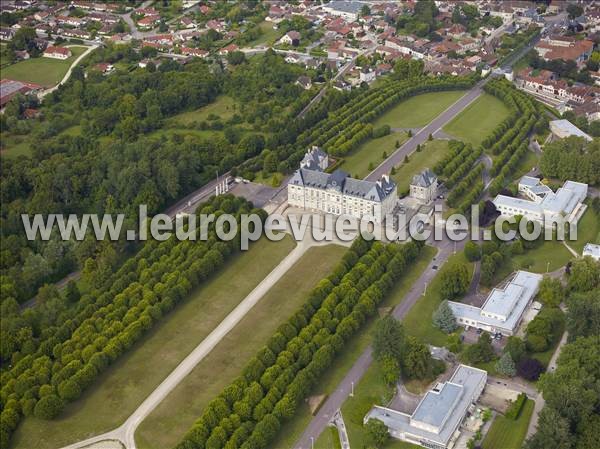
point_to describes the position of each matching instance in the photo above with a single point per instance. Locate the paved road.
(126, 432)
(432, 128)
(338, 397)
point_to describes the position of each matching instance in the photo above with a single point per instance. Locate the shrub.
(515, 408)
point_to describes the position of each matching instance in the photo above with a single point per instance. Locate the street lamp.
(548, 266)
(351, 389)
(312, 442)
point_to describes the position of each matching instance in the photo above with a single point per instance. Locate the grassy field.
(44, 71)
(478, 120)
(291, 430)
(176, 414)
(329, 439)
(371, 152)
(268, 37)
(431, 153)
(371, 390)
(588, 230)
(419, 110)
(418, 320)
(536, 259)
(507, 433)
(130, 380)
(223, 107)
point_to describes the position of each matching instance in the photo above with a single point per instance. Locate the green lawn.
(588, 230)
(370, 391)
(291, 430)
(371, 152)
(418, 320)
(507, 433)
(418, 111)
(44, 71)
(478, 120)
(268, 37)
(536, 259)
(118, 392)
(177, 413)
(431, 153)
(223, 107)
(329, 439)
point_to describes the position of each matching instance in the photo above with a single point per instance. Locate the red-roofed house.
(57, 52)
(198, 52)
(228, 49)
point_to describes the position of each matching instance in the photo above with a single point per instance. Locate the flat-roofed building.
(542, 204)
(503, 309)
(592, 250)
(436, 421)
(564, 128)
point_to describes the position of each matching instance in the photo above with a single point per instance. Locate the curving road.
(68, 74)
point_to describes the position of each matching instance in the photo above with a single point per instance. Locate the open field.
(165, 426)
(536, 259)
(119, 391)
(44, 71)
(418, 320)
(507, 433)
(223, 107)
(478, 120)
(268, 37)
(431, 153)
(329, 439)
(418, 111)
(371, 152)
(291, 430)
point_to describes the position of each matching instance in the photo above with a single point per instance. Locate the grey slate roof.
(313, 157)
(424, 179)
(340, 181)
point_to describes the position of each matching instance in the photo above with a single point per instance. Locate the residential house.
(57, 52)
(291, 38)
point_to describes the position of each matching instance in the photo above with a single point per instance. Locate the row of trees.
(66, 358)
(282, 374)
(573, 158)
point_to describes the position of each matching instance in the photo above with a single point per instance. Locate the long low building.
(435, 423)
(503, 309)
(542, 204)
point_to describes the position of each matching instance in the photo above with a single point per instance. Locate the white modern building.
(504, 307)
(564, 128)
(423, 186)
(542, 204)
(435, 423)
(592, 250)
(337, 193)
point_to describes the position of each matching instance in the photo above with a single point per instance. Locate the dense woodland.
(115, 163)
(573, 158)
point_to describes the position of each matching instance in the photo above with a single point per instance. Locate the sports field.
(44, 71)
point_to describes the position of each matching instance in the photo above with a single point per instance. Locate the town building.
(543, 205)
(562, 129)
(504, 307)
(435, 423)
(336, 193)
(565, 48)
(291, 38)
(423, 186)
(10, 88)
(57, 52)
(304, 82)
(349, 10)
(592, 250)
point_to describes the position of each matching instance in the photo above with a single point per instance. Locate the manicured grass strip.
(121, 388)
(418, 321)
(165, 427)
(292, 429)
(507, 433)
(44, 71)
(431, 153)
(478, 120)
(588, 230)
(420, 110)
(371, 152)
(536, 259)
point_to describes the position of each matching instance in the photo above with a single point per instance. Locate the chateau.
(337, 193)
